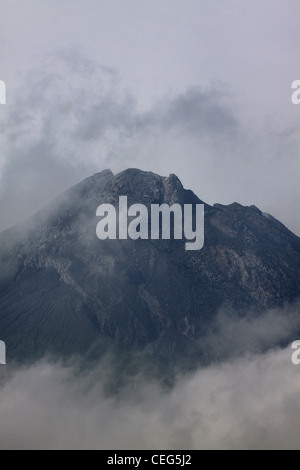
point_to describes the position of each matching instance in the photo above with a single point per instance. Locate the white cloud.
(250, 403)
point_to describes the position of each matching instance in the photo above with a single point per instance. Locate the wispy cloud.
(72, 117)
(250, 403)
(244, 399)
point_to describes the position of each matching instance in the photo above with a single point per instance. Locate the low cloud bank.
(247, 397)
(249, 403)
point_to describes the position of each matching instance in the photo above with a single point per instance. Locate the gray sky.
(200, 88)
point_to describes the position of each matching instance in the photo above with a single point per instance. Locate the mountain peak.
(104, 174)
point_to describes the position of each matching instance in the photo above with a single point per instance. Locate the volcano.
(64, 292)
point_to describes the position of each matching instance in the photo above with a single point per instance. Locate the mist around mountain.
(64, 292)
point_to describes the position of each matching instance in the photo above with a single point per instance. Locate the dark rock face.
(62, 289)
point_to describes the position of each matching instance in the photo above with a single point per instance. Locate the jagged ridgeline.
(64, 291)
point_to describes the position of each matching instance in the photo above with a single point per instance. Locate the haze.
(194, 88)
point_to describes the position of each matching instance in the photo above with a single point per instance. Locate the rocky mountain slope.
(64, 291)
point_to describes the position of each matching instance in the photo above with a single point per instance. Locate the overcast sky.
(200, 88)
